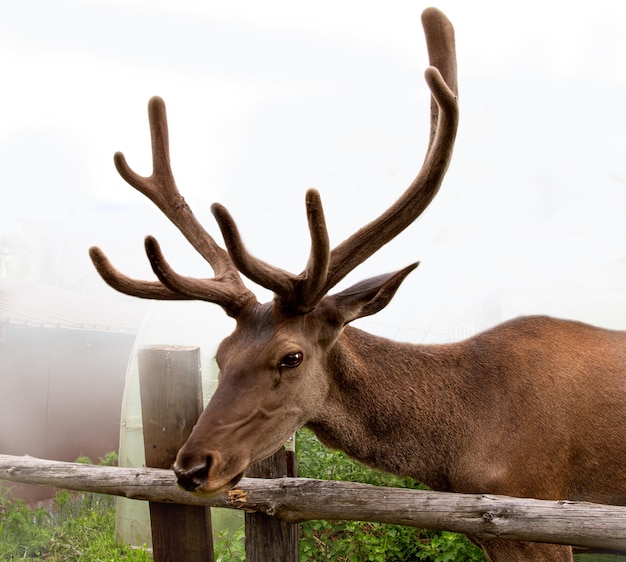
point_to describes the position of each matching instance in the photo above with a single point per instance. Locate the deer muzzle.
(208, 475)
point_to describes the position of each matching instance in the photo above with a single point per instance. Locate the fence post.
(171, 401)
(269, 538)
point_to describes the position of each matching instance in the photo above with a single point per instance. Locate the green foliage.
(229, 547)
(21, 528)
(444, 546)
(354, 541)
(110, 459)
(317, 461)
(75, 526)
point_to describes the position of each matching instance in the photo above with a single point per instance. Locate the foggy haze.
(264, 102)
(267, 100)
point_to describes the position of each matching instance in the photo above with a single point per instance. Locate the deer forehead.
(268, 337)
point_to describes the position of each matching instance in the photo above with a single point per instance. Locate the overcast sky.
(266, 99)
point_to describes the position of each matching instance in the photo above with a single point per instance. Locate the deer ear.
(367, 297)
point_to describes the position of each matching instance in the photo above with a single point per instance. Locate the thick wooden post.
(171, 401)
(269, 538)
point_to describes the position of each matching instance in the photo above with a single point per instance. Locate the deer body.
(533, 407)
(468, 416)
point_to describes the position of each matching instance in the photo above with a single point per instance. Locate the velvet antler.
(296, 293)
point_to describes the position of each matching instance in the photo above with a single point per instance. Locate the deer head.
(273, 366)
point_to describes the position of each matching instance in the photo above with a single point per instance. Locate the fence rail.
(301, 499)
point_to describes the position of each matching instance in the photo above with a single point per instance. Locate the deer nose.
(193, 478)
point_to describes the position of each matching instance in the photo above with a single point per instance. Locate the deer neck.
(389, 405)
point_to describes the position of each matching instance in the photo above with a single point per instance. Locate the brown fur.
(472, 414)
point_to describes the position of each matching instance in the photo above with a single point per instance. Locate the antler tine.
(161, 189)
(128, 286)
(226, 294)
(444, 122)
(314, 276)
(441, 55)
(171, 286)
(296, 292)
(227, 288)
(273, 278)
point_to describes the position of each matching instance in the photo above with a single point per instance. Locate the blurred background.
(265, 100)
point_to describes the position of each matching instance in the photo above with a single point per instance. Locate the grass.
(75, 526)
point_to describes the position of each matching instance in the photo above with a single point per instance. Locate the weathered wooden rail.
(300, 499)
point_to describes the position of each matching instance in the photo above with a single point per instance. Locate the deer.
(534, 407)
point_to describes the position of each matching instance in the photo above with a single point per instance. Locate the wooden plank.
(269, 538)
(171, 401)
(301, 499)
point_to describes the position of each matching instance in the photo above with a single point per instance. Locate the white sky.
(266, 99)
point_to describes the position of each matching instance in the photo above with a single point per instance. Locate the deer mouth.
(207, 488)
(211, 489)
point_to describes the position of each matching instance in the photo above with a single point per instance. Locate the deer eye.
(291, 360)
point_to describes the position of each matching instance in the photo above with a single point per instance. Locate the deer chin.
(214, 488)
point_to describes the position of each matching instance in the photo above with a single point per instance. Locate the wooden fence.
(181, 524)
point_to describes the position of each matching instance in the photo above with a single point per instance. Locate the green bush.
(354, 541)
(228, 546)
